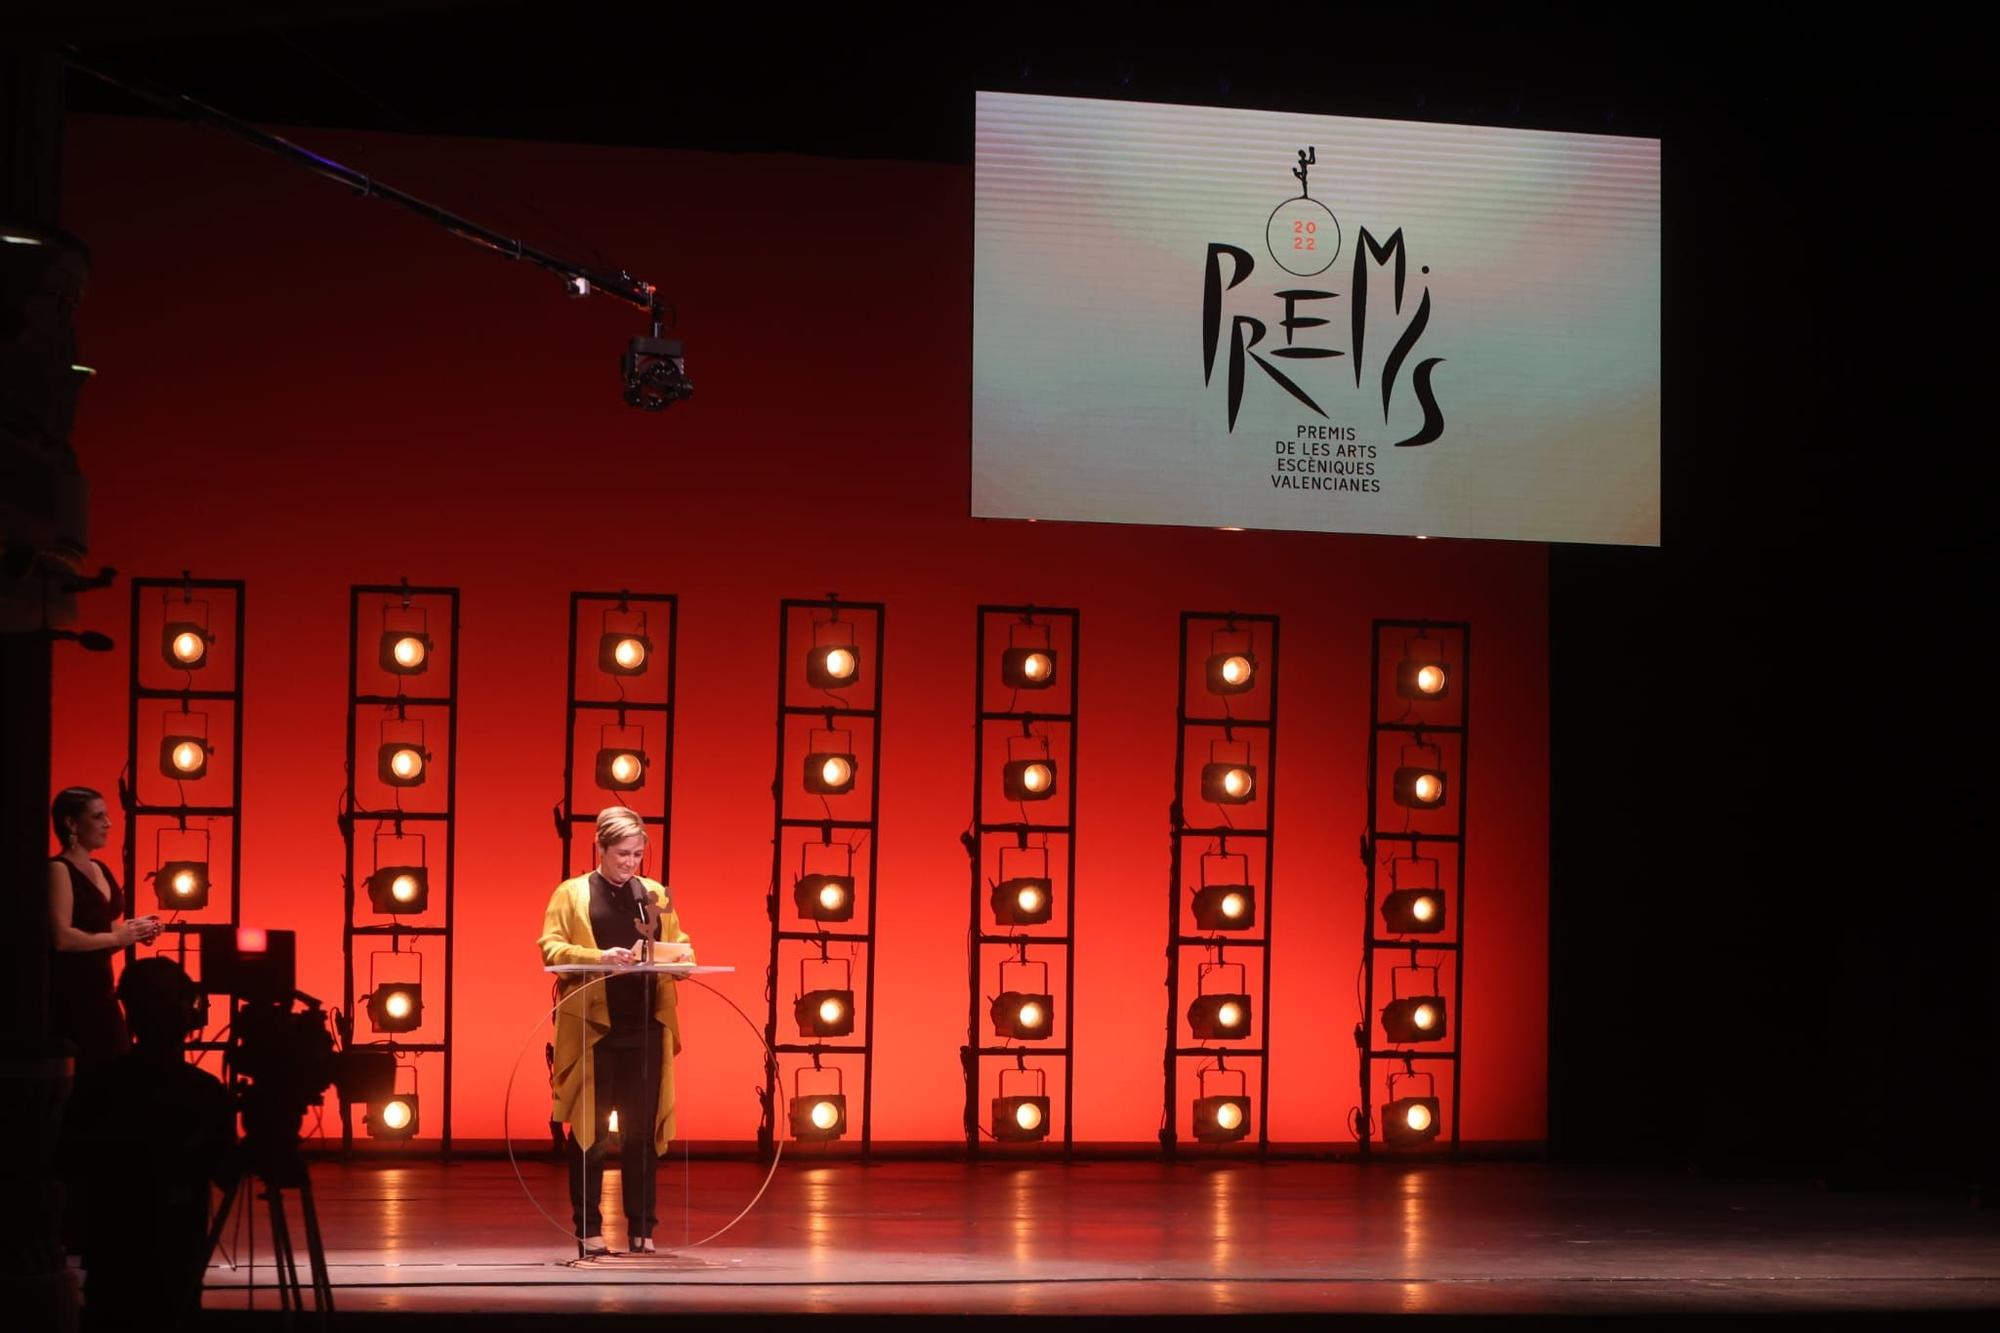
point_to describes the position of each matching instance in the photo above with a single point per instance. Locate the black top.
(614, 923)
(81, 1005)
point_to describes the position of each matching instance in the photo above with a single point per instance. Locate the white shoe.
(643, 1245)
(594, 1246)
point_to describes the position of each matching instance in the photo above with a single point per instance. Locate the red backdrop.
(307, 390)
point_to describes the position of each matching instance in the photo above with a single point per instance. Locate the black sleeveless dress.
(81, 1004)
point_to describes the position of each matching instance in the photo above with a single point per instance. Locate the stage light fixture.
(819, 1118)
(1229, 784)
(1225, 907)
(1020, 1119)
(655, 371)
(1410, 1120)
(1414, 912)
(1231, 673)
(396, 1006)
(184, 757)
(620, 769)
(1219, 1017)
(825, 1013)
(832, 666)
(1422, 678)
(405, 652)
(1024, 1016)
(1419, 787)
(1026, 900)
(824, 897)
(182, 886)
(185, 644)
(1414, 1018)
(401, 764)
(829, 773)
(393, 1117)
(624, 654)
(1029, 779)
(364, 1072)
(1028, 668)
(1221, 1119)
(400, 889)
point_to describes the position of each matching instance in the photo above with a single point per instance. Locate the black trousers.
(626, 1078)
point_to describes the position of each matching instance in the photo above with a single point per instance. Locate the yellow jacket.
(583, 1017)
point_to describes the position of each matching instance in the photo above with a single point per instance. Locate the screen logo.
(1303, 238)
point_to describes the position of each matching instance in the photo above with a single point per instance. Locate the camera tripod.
(276, 1174)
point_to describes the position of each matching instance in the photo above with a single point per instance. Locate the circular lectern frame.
(507, 1112)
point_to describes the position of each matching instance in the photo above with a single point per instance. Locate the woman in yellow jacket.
(611, 1053)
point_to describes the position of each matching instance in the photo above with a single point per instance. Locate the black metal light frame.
(583, 710)
(1396, 720)
(442, 821)
(809, 702)
(993, 702)
(156, 816)
(1194, 731)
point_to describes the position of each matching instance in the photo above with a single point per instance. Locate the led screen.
(1190, 315)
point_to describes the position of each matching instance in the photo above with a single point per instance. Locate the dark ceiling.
(901, 87)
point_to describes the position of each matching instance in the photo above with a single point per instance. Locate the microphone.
(642, 900)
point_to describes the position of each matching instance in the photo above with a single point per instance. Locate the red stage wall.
(305, 389)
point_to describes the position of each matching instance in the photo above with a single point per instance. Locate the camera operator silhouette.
(143, 1136)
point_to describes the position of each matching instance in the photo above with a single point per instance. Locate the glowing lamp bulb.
(1425, 1017)
(403, 888)
(1430, 679)
(839, 664)
(1229, 1115)
(1429, 787)
(406, 763)
(627, 767)
(1229, 1015)
(1423, 909)
(1036, 777)
(1237, 782)
(629, 654)
(1029, 899)
(189, 647)
(831, 1010)
(1027, 1115)
(409, 651)
(611, 1123)
(398, 1004)
(832, 896)
(825, 1115)
(1236, 670)
(1031, 1015)
(1418, 1117)
(184, 883)
(396, 1115)
(1233, 904)
(835, 771)
(188, 756)
(1036, 666)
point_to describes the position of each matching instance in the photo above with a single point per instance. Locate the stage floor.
(1148, 1238)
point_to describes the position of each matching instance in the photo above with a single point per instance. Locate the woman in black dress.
(83, 917)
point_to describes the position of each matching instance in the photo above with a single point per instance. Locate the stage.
(1152, 1239)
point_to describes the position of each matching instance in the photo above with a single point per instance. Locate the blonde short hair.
(615, 823)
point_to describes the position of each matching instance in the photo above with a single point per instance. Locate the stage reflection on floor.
(1142, 1237)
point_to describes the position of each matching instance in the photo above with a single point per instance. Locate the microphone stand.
(648, 928)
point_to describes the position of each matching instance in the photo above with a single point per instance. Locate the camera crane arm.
(578, 279)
